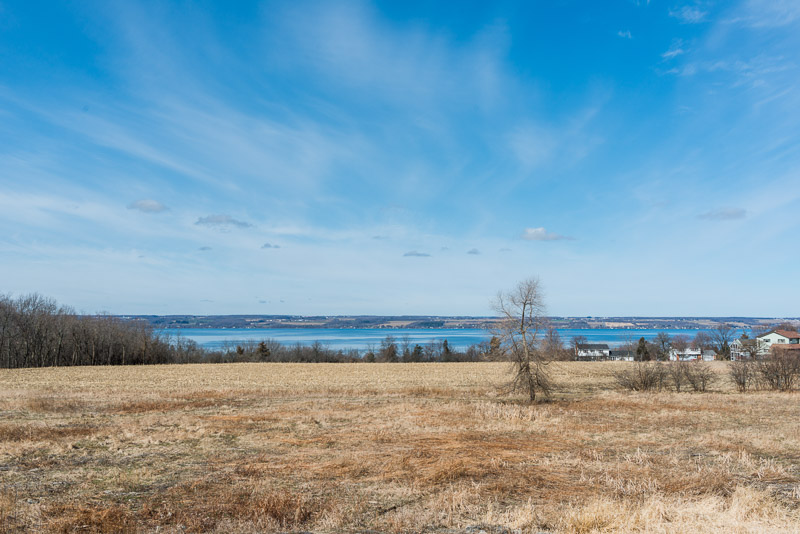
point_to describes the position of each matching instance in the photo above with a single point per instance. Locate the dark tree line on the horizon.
(36, 332)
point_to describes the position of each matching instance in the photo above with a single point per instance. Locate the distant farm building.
(621, 355)
(591, 351)
(685, 355)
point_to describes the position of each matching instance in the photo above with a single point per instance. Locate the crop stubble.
(390, 447)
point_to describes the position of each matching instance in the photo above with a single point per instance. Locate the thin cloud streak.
(689, 14)
(222, 221)
(148, 206)
(540, 234)
(724, 214)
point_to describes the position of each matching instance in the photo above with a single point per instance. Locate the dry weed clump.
(746, 510)
(69, 518)
(392, 448)
(202, 505)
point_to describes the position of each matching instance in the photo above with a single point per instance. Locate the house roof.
(785, 333)
(788, 333)
(592, 346)
(786, 346)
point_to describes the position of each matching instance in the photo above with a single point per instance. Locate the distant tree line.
(390, 350)
(36, 332)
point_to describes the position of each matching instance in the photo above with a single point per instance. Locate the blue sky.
(641, 158)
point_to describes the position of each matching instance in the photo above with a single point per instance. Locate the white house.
(685, 355)
(591, 351)
(776, 337)
(621, 355)
(742, 348)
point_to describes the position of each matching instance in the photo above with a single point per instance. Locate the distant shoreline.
(438, 322)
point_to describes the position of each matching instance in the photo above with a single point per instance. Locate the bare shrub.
(699, 375)
(779, 370)
(676, 372)
(642, 376)
(742, 373)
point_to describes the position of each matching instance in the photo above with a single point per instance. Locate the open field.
(387, 447)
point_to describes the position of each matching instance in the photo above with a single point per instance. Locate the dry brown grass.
(394, 448)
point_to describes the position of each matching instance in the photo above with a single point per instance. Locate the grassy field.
(387, 447)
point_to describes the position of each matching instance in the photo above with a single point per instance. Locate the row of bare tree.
(390, 350)
(36, 332)
(779, 370)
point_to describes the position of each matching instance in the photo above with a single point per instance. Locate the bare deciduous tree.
(722, 336)
(553, 347)
(702, 340)
(522, 314)
(781, 369)
(663, 342)
(680, 342)
(751, 348)
(742, 374)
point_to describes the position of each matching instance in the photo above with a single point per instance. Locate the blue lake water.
(365, 338)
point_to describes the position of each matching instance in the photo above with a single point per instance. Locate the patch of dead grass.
(394, 448)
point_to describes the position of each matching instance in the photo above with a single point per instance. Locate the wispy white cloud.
(675, 49)
(540, 234)
(222, 221)
(688, 14)
(625, 34)
(270, 245)
(147, 206)
(410, 67)
(724, 214)
(416, 254)
(766, 13)
(533, 145)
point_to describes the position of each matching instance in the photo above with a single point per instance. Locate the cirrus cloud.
(222, 221)
(540, 234)
(147, 205)
(688, 14)
(415, 254)
(724, 214)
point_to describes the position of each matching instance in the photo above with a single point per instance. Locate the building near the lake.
(777, 337)
(685, 355)
(764, 344)
(621, 355)
(591, 351)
